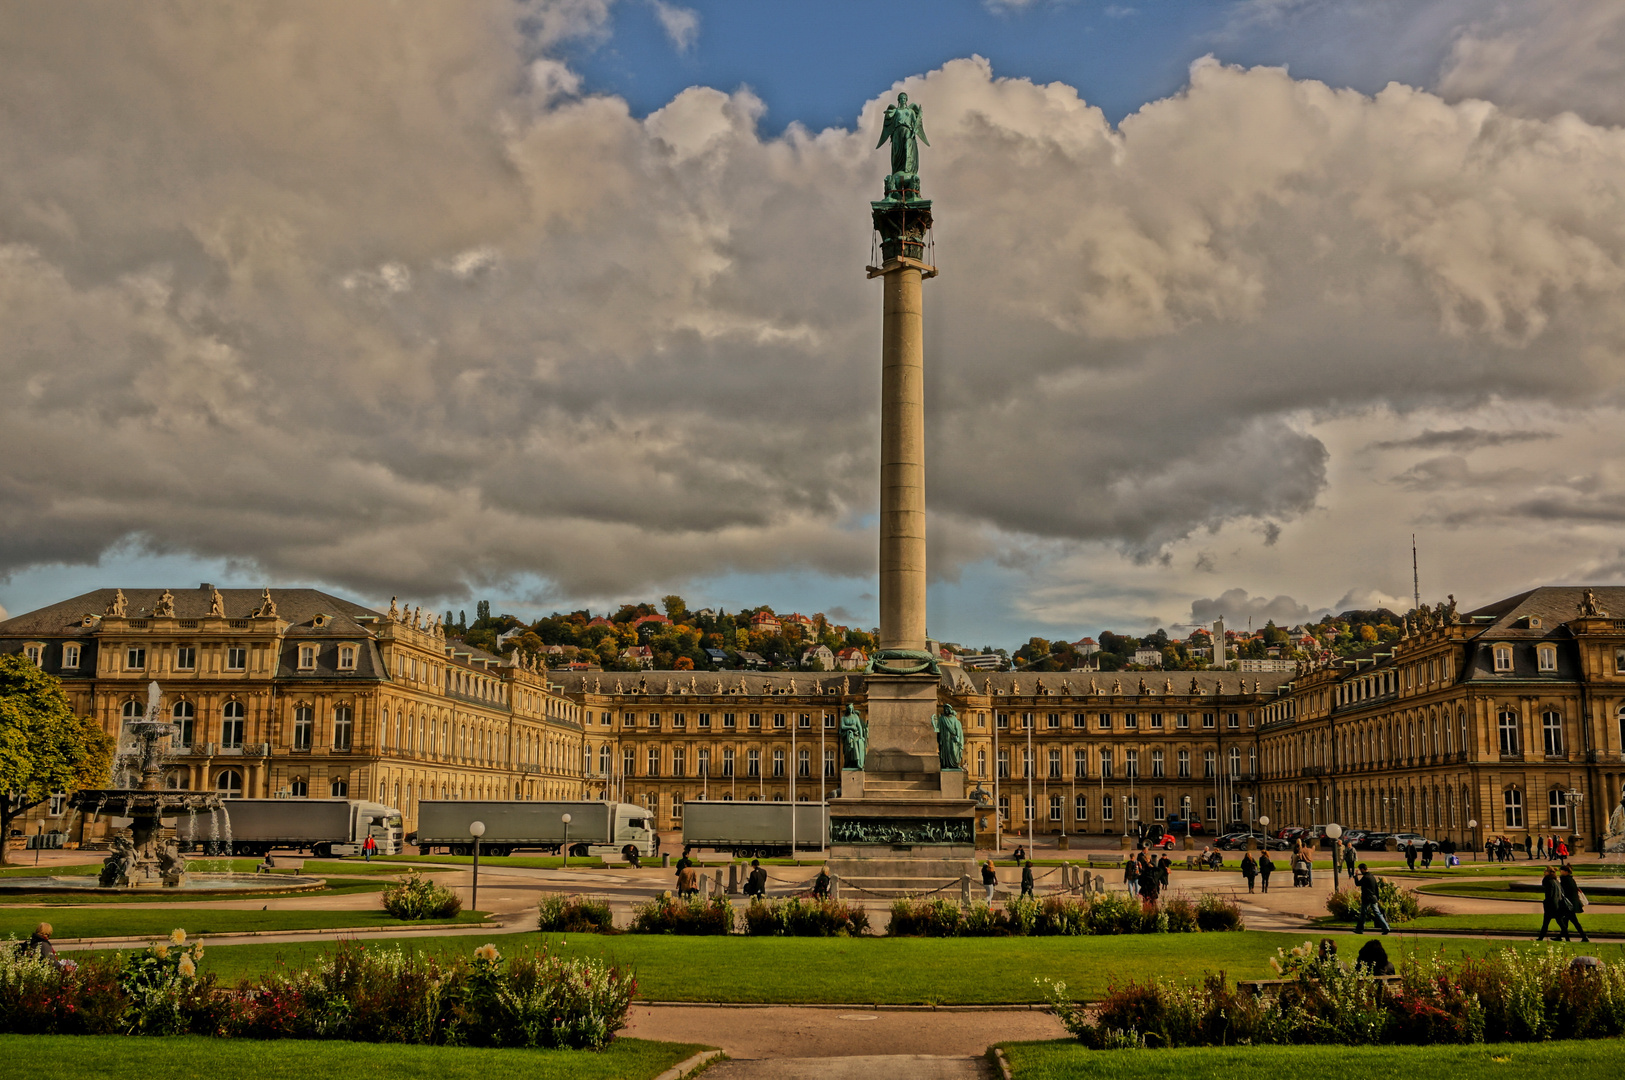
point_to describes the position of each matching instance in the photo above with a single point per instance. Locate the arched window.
(178, 779)
(1507, 725)
(343, 727)
(1557, 809)
(231, 728)
(1512, 808)
(184, 715)
(229, 783)
(340, 787)
(133, 710)
(1551, 730)
(299, 787)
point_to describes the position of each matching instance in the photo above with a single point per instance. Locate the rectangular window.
(135, 659)
(1619, 659)
(629, 761)
(1503, 658)
(1080, 808)
(1105, 721)
(1027, 762)
(679, 720)
(1080, 720)
(1157, 772)
(728, 721)
(1234, 720)
(307, 657)
(829, 720)
(1080, 764)
(804, 762)
(1512, 809)
(1004, 764)
(1557, 809)
(1507, 724)
(778, 721)
(1054, 720)
(70, 656)
(1551, 726)
(778, 764)
(1182, 721)
(1105, 808)
(1184, 764)
(343, 723)
(755, 721)
(1156, 721)
(705, 761)
(1209, 758)
(1055, 808)
(237, 658)
(1131, 764)
(347, 658)
(753, 764)
(1548, 658)
(829, 762)
(1131, 720)
(804, 720)
(1207, 720)
(1054, 764)
(705, 720)
(654, 720)
(1002, 721)
(303, 723)
(728, 761)
(231, 726)
(1212, 809)
(1106, 764)
(654, 761)
(679, 761)
(1159, 809)
(628, 720)
(186, 658)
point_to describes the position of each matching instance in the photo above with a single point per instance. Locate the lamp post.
(1335, 831)
(1187, 806)
(476, 829)
(566, 820)
(1249, 815)
(1472, 838)
(1263, 819)
(1575, 797)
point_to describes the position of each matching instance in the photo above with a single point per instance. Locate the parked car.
(1232, 841)
(1373, 841)
(1177, 825)
(1403, 838)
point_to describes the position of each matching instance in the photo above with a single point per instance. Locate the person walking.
(1540, 848)
(369, 847)
(1563, 850)
(688, 880)
(1573, 900)
(1249, 869)
(1370, 901)
(1163, 865)
(990, 879)
(821, 883)
(1131, 875)
(756, 883)
(1265, 868)
(1410, 855)
(1150, 887)
(1027, 878)
(1551, 905)
(1528, 847)
(1348, 858)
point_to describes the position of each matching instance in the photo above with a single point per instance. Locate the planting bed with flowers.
(532, 998)
(1063, 916)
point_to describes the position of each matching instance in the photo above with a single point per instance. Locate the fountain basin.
(194, 885)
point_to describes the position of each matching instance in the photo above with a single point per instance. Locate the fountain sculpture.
(142, 857)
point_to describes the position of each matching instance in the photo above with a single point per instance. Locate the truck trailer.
(595, 828)
(754, 829)
(322, 827)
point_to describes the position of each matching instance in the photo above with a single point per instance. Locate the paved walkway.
(897, 1067)
(791, 1032)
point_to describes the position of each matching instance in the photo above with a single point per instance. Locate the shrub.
(920, 917)
(574, 914)
(1181, 914)
(1114, 913)
(797, 917)
(47, 997)
(164, 993)
(416, 897)
(1398, 905)
(667, 914)
(1215, 912)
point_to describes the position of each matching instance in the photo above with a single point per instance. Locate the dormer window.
(1503, 658)
(1534, 622)
(347, 657)
(1547, 657)
(321, 621)
(70, 656)
(307, 657)
(35, 651)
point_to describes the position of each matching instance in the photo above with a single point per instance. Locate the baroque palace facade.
(1511, 716)
(1506, 720)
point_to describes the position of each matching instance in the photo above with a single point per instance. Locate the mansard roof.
(296, 606)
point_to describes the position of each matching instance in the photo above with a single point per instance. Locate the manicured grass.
(885, 971)
(115, 1057)
(1529, 923)
(156, 922)
(497, 862)
(1066, 1060)
(80, 897)
(47, 870)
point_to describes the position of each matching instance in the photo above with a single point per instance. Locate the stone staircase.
(901, 786)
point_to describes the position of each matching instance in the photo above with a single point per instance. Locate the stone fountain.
(142, 857)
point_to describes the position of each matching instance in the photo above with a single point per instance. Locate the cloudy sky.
(562, 302)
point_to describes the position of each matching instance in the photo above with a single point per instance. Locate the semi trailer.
(755, 829)
(594, 828)
(322, 827)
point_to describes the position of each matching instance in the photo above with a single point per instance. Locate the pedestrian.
(1370, 901)
(990, 879)
(1249, 869)
(756, 882)
(1528, 847)
(1540, 848)
(1265, 869)
(1163, 866)
(1348, 859)
(1552, 905)
(821, 883)
(38, 944)
(369, 847)
(1131, 875)
(688, 881)
(1427, 855)
(1150, 887)
(1027, 878)
(1563, 850)
(1410, 855)
(683, 860)
(1021, 853)
(1574, 901)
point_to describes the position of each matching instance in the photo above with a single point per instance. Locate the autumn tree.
(44, 747)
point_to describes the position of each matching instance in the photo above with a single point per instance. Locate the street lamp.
(1575, 797)
(1335, 831)
(1187, 820)
(1472, 824)
(476, 829)
(566, 820)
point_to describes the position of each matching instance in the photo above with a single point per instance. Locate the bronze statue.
(854, 736)
(906, 130)
(950, 738)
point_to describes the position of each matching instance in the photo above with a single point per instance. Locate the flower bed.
(796, 917)
(575, 915)
(1398, 905)
(533, 999)
(1062, 916)
(1511, 996)
(416, 897)
(668, 914)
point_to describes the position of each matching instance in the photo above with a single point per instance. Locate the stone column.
(902, 460)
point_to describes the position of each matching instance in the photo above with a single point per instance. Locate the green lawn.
(115, 1057)
(1502, 890)
(77, 898)
(496, 862)
(1527, 923)
(157, 922)
(888, 971)
(1066, 1060)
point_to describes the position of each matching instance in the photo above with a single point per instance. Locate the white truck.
(754, 829)
(322, 827)
(595, 828)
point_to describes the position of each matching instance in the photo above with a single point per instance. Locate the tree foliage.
(44, 747)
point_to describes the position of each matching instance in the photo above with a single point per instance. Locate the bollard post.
(964, 889)
(733, 879)
(705, 886)
(1100, 883)
(665, 861)
(835, 886)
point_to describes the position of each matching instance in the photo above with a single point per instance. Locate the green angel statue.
(906, 130)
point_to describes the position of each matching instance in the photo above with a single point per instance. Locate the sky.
(561, 303)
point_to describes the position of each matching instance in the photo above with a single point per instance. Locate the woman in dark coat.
(1249, 869)
(1572, 903)
(1027, 878)
(1265, 869)
(1551, 905)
